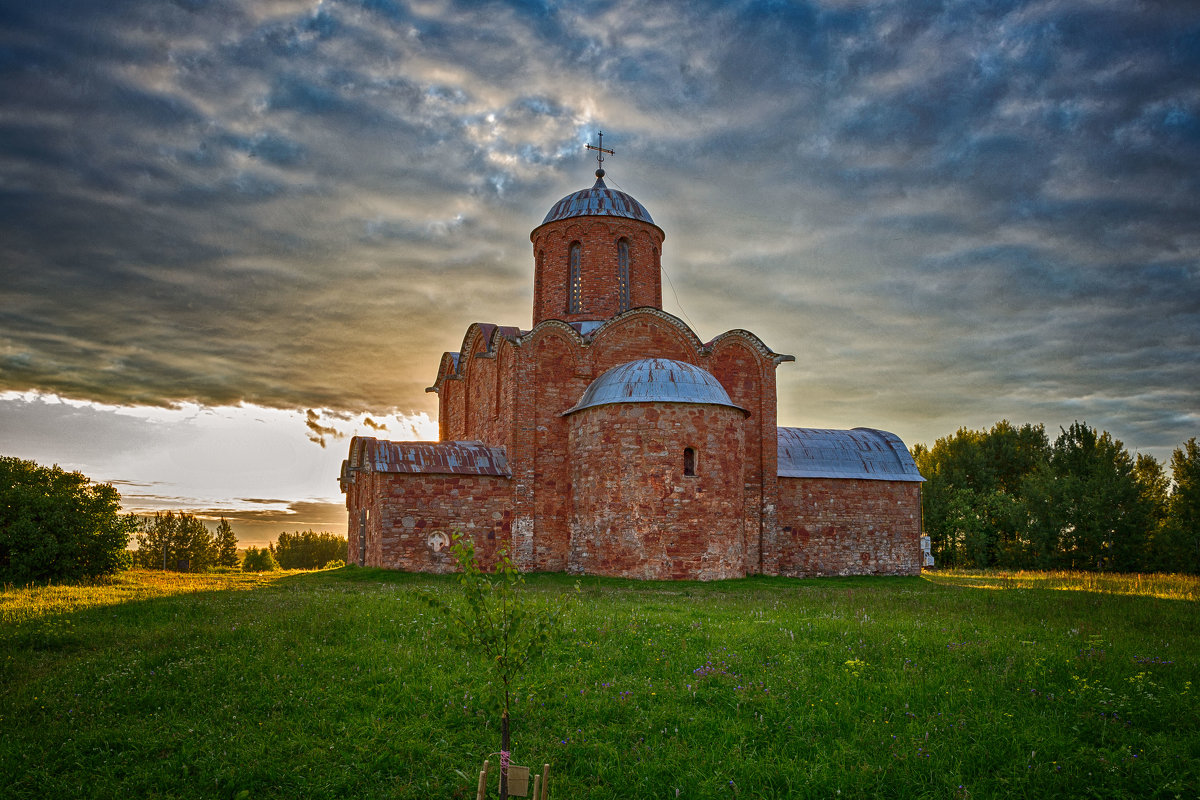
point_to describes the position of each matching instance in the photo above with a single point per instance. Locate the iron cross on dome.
(600, 151)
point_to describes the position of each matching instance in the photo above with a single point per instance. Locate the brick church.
(609, 439)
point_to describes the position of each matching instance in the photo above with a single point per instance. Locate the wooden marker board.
(518, 780)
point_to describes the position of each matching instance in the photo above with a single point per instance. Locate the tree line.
(299, 550)
(62, 526)
(183, 543)
(1005, 497)
(1009, 497)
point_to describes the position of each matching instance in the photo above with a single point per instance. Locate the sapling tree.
(503, 624)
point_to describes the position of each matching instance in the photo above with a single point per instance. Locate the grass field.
(341, 684)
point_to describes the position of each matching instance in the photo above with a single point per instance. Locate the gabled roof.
(863, 453)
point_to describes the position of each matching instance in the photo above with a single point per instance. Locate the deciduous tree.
(1090, 502)
(503, 624)
(175, 542)
(973, 498)
(57, 525)
(1183, 516)
(1155, 489)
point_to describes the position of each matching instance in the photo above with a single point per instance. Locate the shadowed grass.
(340, 683)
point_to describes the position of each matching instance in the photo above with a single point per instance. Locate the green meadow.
(341, 683)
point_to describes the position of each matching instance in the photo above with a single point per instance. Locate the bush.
(259, 560)
(335, 564)
(57, 525)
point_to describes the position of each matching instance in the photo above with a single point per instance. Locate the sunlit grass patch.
(342, 683)
(23, 603)
(1162, 585)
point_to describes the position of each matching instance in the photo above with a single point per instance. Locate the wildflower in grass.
(855, 666)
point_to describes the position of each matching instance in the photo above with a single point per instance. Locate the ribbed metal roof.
(598, 201)
(654, 380)
(863, 453)
(444, 458)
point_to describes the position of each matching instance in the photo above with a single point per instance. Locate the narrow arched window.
(623, 274)
(575, 284)
(689, 462)
(537, 276)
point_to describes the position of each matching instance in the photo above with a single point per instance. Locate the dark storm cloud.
(946, 210)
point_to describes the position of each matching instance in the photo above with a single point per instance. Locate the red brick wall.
(848, 527)
(741, 370)
(452, 408)
(412, 517)
(641, 335)
(559, 376)
(635, 514)
(482, 398)
(598, 238)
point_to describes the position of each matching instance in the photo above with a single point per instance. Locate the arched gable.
(447, 370)
(553, 328)
(739, 334)
(741, 369)
(643, 333)
(472, 392)
(477, 339)
(481, 341)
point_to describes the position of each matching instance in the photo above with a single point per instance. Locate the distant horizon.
(234, 234)
(258, 521)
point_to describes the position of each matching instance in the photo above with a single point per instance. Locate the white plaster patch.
(522, 542)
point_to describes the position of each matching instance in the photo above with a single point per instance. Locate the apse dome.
(598, 201)
(655, 380)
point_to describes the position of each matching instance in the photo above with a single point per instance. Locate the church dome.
(598, 201)
(655, 380)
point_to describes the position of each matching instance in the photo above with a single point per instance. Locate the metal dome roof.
(598, 201)
(655, 380)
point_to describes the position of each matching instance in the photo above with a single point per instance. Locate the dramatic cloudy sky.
(234, 232)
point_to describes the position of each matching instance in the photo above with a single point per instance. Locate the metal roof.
(652, 380)
(587, 326)
(598, 201)
(863, 453)
(444, 458)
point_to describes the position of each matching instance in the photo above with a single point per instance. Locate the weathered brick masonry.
(609, 439)
(636, 514)
(849, 527)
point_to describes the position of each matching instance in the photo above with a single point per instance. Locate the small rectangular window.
(689, 462)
